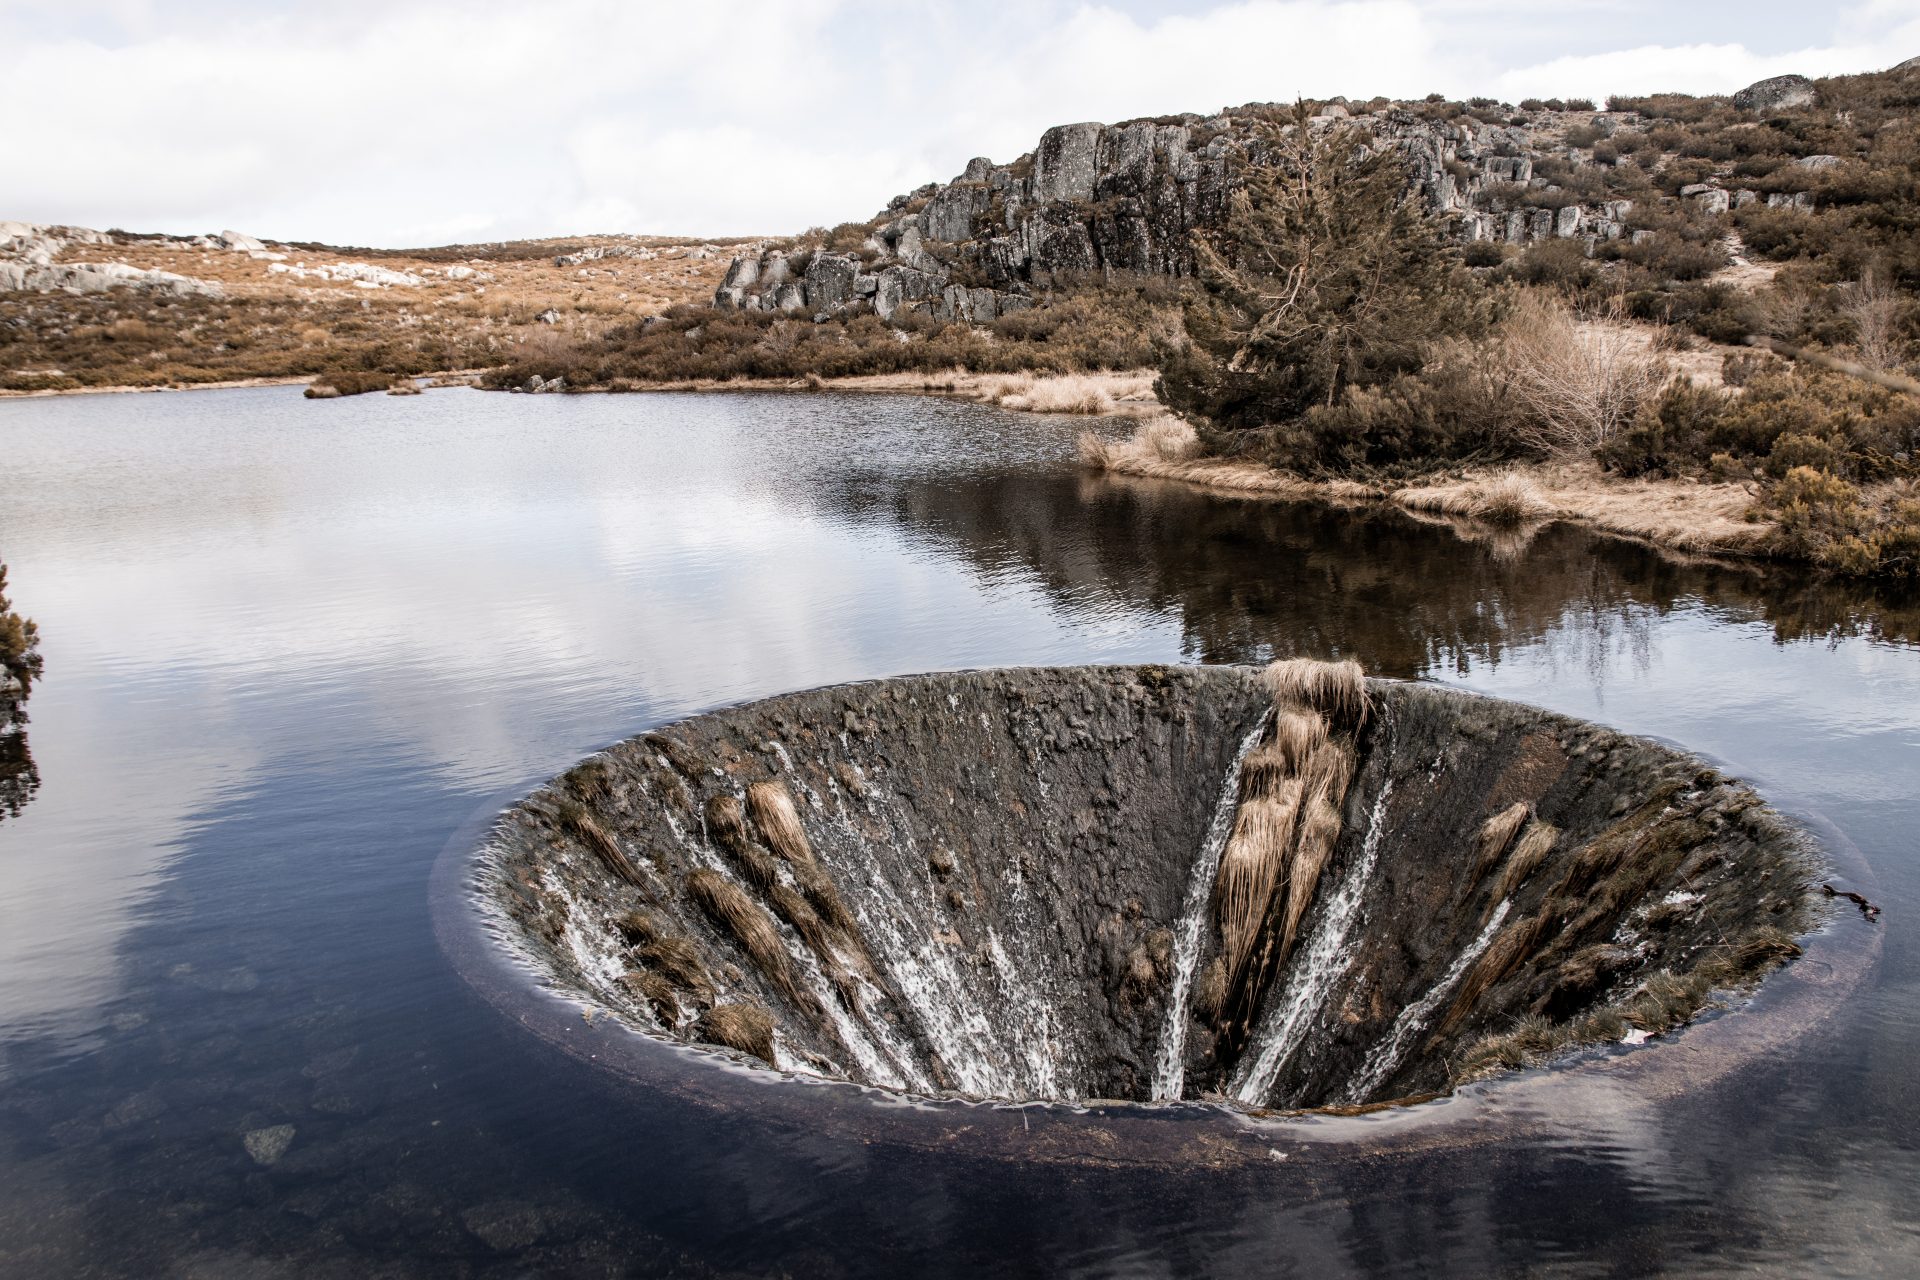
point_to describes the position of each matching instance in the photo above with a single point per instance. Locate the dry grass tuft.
(638, 928)
(1512, 945)
(1506, 498)
(1532, 850)
(1336, 689)
(798, 912)
(1298, 736)
(727, 824)
(584, 827)
(1496, 834)
(1165, 448)
(1319, 828)
(729, 907)
(818, 886)
(657, 990)
(687, 762)
(773, 813)
(742, 1026)
(676, 959)
(1252, 866)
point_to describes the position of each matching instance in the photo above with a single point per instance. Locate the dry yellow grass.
(1496, 834)
(1164, 448)
(1338, 690)
(675, 958)
(1252, 867)
(1291, 789)
(1525, 859)
(742, 1026)
(1689, 516)
(1506, 497)
(1319, 828)
(729, 907)
(727, 827)
(1087, 393)
(657, 990)
(779, 825)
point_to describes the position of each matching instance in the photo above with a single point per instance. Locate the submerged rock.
(1291, 888)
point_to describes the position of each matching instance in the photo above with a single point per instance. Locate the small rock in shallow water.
(267, 1145)
(505, 1224)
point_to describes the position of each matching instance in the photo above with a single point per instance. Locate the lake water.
(295, 649)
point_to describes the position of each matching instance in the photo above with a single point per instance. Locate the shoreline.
(1503, 506)
(442, 378)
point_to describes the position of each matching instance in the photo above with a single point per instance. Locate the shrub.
(1822, 518)
(1671, 432)
(20, 660)
(1325, 279)
(1576, 386)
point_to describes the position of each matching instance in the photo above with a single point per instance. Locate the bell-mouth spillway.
(1282, 889)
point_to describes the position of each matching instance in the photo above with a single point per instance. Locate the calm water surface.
(294, 648)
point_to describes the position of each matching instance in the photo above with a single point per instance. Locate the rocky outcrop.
(1777, 93)
(98, 277)
(1093, 198)
(27, 264)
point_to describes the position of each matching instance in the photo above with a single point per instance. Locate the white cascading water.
(1170, 1066)
(931, 980)
(883, 1059)
(1412, 1021)
(1323, 960)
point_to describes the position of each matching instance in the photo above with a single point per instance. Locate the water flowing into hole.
(1287, 888)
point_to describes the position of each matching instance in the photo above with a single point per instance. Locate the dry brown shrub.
(1576, 385)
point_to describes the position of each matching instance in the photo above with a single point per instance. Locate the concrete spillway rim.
(1546, 1101)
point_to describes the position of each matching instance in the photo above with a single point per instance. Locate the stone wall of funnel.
(1006, 884)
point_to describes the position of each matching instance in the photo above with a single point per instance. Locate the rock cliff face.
(1128, 197)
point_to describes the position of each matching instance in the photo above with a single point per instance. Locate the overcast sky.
(409, 122)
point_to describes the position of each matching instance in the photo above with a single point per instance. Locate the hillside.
(1593, 283)
(85, 309)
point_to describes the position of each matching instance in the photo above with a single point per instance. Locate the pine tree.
(1327, 277)
(20, 660)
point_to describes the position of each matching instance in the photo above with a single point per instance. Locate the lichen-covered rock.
(1777, 93)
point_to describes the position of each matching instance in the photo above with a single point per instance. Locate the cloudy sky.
(407, 122)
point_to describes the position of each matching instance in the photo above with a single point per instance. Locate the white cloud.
(410, 121)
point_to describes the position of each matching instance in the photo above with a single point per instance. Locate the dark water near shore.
(293, 649)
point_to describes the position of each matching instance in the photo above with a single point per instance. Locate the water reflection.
(293, 647)
(1248, 579)
(19, 776)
